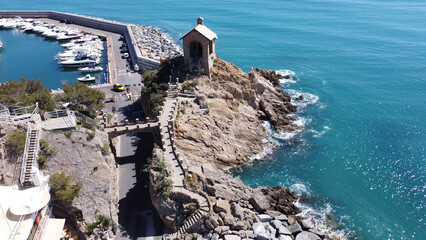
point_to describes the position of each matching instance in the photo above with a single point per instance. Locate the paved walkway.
(177, 174)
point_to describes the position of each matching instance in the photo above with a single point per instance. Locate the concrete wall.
(101, 24)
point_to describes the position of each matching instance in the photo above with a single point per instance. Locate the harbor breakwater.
(102, 24)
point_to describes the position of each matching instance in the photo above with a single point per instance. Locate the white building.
(27, 214)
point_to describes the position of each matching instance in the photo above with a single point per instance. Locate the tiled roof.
(203, 30)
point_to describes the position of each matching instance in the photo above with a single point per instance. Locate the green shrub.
(15, 143)
(105, 149)
(61, 187)
(41, 161)
(68, 134)
(106, 222)
(90, 227)
(163, 186)
(87, 125)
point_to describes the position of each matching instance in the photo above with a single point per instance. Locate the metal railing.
(26, 157)
(83, 118)
(16, 228)
(43, 223)
(15, 115)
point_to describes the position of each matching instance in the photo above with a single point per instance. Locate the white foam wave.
(308, 98)
(323, 219)
(300, 189)
(289, 76)
(274, 135)
(318, 134)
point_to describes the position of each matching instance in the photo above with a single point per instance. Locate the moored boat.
(86, 78)
(91, 69)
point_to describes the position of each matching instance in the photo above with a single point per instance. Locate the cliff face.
(230, 130)
(79, 155)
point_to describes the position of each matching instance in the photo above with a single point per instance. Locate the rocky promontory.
(229, 129)
(219, 125)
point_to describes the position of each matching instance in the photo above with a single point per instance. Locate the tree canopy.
(26, 92)
(79, 93)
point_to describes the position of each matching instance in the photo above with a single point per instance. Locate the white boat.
(80, 61)
(9, 25)
(91, 69)
(86, 78)
(69, 35)
(1, 44)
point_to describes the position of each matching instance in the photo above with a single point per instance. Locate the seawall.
(96, 23)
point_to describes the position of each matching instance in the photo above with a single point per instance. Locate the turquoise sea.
(31, 55)
(361, 66)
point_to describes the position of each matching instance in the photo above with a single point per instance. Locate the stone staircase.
(203, 209)
(177, 174)
(32, 146)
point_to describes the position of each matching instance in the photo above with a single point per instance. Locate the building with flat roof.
(199, 48)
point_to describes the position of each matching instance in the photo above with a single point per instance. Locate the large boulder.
(222, 206)
(295, 228)
(276, 224)
(284, 231)
(307, 224)
(237, 211)
(211, 223)
(307, 236)
(259, 202)
(231, 237)
(258, 228)
(285, 237)
(263, 218)
(238, 225)
(281, 217)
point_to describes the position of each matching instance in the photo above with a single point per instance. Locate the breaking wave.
(323, 220)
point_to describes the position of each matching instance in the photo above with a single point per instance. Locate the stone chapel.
(198, 48)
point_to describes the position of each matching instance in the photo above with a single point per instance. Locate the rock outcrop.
(230, 130)
(80, 156)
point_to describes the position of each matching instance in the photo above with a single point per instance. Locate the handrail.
(24, 159)
(15, 229)
(40, 228)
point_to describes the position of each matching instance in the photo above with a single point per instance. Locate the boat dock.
(97, 26)
(111, 41)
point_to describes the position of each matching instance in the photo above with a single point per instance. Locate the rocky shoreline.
(218, 127)
(155, 44)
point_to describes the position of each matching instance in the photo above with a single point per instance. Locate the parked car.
(123, 50)
(118, 87)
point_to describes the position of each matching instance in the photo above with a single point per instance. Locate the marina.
(74, 49)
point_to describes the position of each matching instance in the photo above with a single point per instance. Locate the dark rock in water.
(307, 236)
(295, 229)
(299, 98)
(272, 76)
